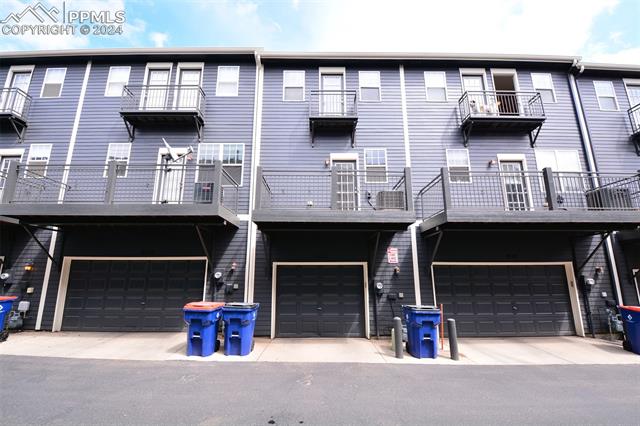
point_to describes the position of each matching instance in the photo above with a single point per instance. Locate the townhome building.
(332, 188)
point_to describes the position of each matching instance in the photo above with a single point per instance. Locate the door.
(634, 99)
(474, 85)
(332, 101)
(515, 185)
(506, 99)
(505, 300)
(188, 93)
(170, 180)
(346, 185)
(131, 295)
(319, 301)
(14, 101)
(4, 166)
(154, 96)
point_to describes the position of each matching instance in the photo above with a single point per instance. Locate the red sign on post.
(392, 255)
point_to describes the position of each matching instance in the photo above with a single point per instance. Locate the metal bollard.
(453, 339)
(397, 337)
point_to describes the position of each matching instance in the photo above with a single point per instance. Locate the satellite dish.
(173, 154)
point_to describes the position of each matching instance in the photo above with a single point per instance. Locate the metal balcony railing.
(333, 104)
(529, 191)
(634, 119)
(169, 98)
(116, 183)
(339, 190)
(16, 102)
(506, 104)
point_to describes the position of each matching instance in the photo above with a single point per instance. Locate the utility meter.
(379, 287)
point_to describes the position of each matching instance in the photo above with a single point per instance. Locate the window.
(435, 83)
(38, 159)
(567, 163)
(543, 83)
(53, 81)
(118, 152)
(369, 86)
(375, 165)
(227, 84)
(118, 78)
(606, 95)
(293, 85)
(232, 156)
(459, 165)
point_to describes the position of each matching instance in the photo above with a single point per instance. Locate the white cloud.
(295, 4)
(625, 56)
(159, 39)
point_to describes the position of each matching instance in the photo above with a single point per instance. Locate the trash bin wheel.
(626, 345)
(253, 344)
(217, 347)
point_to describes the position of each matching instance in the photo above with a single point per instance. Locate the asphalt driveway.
(41, 390)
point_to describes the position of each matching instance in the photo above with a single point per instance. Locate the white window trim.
(379, 87)
(560, 190)
(630, 82)
(473, 72)
(106, 161)
(219, 147)
(615, 96)
(106, 87)
(523, 159)
(186, 66)
(18, 68)
(386, 165)
(304, 78)
(553, 86)
(469, 160)
(12, 152)
(505, 71)
(64, 76)
(157, 66)
(332, 70)
(237, 67)
(48, 158)
(446, 86)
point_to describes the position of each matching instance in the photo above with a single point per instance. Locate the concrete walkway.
(172, 347)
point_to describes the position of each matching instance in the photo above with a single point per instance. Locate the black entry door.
(131, 295)
(320, 301)
(505, 300)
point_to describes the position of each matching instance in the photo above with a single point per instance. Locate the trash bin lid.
(630, 308)
(422, 307)
(240, 305)
(8, 298)
(203, 306)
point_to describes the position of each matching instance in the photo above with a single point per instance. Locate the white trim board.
(19, 68)
(66, 269)
(636, 280)
(365, 278)
(574, 297)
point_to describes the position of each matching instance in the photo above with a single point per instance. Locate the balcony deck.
(531, 201)
(333, 110)
(300, 199)
(93, 194)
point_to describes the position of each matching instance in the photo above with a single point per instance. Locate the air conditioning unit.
(203, 193)
(609, 198)
(390, 200)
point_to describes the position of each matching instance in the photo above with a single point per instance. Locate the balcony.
(483, 111)
(634, 119)
(118, 193)
(333, 111)
(14, 111)
(531, 200)
(342, 199)
(169, 106)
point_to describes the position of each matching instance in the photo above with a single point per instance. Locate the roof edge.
(601, 66)
(132, 51)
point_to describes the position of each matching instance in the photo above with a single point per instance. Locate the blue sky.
(599, 30)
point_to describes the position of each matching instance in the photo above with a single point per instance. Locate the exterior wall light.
(28, 267)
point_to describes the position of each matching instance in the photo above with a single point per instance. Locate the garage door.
(320, 301)
(131, 295)
(506, 300)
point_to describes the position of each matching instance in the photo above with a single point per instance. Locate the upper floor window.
(543, 83)
(228, 81)
(369, 86)
(459, 165)
(606, 95)
(38, 159)
(231, 155)
(53, 82)
(293, 85)
(118, 78)
(375, 165)
(567, 163)
(119, 152)
(435, 83)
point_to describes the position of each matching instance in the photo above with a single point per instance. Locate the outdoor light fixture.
(492, 162)
(234, 265)
(327, 163)
(598, 271)
(28, 267)
(396, 270)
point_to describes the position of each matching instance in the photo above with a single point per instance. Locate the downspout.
(591, 162)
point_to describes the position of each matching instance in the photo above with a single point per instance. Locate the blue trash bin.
(239, 324)
(202, 334)
(6, 303)
(631, 317)
(422, 330)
